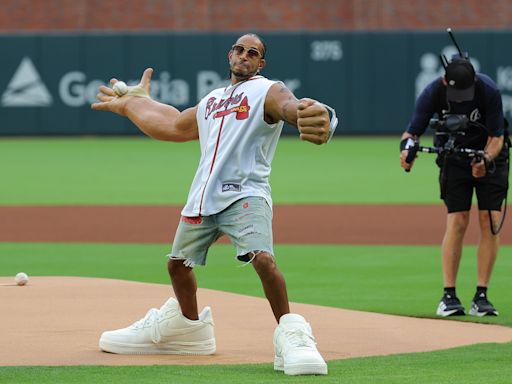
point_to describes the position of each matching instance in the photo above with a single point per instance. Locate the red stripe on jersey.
(217, 145)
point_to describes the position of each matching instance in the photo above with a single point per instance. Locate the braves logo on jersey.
(230, 106)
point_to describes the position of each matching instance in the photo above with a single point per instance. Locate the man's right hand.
(406, 166)
(109, 101)
(408, 151)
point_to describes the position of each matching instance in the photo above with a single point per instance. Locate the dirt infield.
(57, 321)
(327, 224)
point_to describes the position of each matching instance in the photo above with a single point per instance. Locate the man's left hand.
(313, 121)
(478, 168)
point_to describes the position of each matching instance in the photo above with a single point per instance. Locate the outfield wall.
(254, 15)
(48, 81)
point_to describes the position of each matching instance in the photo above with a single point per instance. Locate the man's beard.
(242, 75)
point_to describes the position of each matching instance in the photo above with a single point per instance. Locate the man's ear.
(262, 64)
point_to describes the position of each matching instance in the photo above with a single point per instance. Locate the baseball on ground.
(120, 88)
(21, 278)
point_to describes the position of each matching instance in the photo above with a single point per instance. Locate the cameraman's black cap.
(460, 80)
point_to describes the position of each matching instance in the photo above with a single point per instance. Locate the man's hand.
(492, 150)
(408, 151)
(478, 168)
(109, 101)
(313, 121)
(405, 165)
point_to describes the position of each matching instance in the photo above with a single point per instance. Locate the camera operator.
(461, 91)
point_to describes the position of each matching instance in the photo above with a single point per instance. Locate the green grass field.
(388, 279)
(144, 171)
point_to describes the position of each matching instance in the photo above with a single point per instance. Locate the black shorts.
(457, 184)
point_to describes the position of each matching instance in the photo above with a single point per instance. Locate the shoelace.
(150, 319)
(298, 338)
(451, 300)
(482, 301)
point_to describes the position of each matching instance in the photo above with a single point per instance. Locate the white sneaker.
(163, 331)
(295, 348)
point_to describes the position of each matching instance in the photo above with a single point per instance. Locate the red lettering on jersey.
(241, 110)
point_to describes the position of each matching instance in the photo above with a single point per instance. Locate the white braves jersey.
(237, 147)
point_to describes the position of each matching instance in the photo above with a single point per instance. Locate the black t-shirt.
(485, 109)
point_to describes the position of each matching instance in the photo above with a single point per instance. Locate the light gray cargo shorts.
(247, 222)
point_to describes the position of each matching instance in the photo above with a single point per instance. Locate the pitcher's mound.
(58, 321)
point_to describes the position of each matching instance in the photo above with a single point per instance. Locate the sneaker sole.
(454, 312)
(482, 314)
(204, 348)
(300, 369)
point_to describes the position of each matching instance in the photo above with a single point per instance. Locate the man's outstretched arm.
(309, 116)
(157, 120)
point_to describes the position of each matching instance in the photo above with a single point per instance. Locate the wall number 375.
(326, 50)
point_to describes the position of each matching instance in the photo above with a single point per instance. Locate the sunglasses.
(251, 52)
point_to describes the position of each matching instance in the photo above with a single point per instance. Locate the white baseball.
(120, 88)
(21, 278)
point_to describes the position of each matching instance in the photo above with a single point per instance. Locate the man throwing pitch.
(238, 128)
